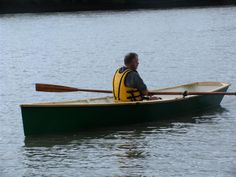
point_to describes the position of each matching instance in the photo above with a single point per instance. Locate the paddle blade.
(54, 88)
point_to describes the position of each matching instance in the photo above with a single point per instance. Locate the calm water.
(84, 49)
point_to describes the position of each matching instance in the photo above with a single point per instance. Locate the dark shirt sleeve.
(133, 80)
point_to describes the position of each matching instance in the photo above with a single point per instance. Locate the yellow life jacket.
(121, 92)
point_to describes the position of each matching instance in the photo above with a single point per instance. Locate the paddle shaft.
(60, 88)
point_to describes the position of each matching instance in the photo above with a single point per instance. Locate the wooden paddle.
(60, 88)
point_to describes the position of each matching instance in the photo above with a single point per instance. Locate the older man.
(127, 83)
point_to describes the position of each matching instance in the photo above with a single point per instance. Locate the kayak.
(88, 114)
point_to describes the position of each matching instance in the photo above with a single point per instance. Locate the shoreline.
(42, 6)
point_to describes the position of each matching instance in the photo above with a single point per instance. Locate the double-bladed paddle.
(60, 88)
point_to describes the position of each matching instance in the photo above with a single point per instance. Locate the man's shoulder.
(133, 74)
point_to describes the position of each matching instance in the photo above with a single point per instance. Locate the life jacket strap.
(133, 91)
(133, 97)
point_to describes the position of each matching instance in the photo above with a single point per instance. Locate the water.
(84, 49)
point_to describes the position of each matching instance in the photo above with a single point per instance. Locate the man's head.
(131, 61)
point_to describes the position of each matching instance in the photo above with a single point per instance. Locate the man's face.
(134, 64)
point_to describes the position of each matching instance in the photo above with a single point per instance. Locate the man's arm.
(133, 80)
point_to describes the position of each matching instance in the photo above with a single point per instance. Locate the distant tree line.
(14, 6)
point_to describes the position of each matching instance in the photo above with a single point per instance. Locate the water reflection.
(126, 148)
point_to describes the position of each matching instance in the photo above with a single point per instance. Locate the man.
(127, 84)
